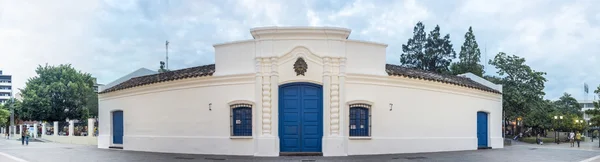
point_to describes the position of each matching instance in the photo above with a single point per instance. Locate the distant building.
(586, 105)
(5, 87)
(136, 73)
(97, 87)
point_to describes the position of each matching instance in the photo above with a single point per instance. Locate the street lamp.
(559, 118)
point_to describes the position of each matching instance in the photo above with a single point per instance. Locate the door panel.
(301, 127)
(117, 127)
(482, 129)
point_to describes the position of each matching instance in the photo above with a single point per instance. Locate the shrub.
(532, 140)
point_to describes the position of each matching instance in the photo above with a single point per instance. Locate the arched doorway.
(300, 117)
(482, 129)
(117, 127)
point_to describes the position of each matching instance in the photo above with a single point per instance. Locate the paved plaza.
(13, 151)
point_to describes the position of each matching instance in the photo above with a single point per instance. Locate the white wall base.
(497, 142)
(334, 146)
(267, 146)
(384, 145)
(190, 145)
(103, 141)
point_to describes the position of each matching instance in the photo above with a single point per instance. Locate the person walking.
(572, 139)
(23, 136)
(578, 138)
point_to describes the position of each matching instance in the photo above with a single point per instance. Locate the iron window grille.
(241, 120)
(360, 120)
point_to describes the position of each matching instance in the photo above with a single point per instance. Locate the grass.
(545, 140)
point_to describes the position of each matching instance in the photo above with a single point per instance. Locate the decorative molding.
(266, 98)
(235, 102)
(300, 51)
(404, 82)
(334, 105)
(180, 84)
(274, 69)
(353, 102)
(300, 66)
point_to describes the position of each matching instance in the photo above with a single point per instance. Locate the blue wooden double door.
(300, 117)
(482, 129)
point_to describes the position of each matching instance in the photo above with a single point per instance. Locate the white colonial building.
(301, 90)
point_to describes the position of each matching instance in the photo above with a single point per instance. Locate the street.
(13, 151)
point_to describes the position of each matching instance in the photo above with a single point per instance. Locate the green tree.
(438, 52)
(428, 52)
(595, 113)
(56, 94)
(162, 68)
(522, 86)
(540, 117)
(469, 57)
(566, 104)
(4, 116)
(413, 52)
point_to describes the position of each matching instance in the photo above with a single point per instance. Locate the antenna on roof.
(167, 47)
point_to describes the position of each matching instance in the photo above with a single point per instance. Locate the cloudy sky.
(111, 38)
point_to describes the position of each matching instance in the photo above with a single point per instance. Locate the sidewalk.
(584, 145)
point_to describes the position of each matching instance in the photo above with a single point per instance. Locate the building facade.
(586, 105)
(5, 87)
(301, 90)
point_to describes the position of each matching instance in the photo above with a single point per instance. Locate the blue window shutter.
(359, 121)
(242, 121)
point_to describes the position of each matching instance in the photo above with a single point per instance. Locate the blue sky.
(110, 38)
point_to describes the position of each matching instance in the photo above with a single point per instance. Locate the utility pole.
(12, 116)
(167, 47)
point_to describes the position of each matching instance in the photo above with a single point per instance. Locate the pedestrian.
(572, 139)
(578, 138)
(23, 135)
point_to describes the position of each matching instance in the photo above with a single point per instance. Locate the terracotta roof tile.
(208, 70)
(395, 70)
(199, 71)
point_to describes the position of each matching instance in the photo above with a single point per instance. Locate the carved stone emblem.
(300, 66)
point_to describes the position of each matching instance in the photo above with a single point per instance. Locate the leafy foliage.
(469, 57)
(428, 52)
(522, 86)
(56, 94)
(4, 116)
(595, 113)
(566, 104)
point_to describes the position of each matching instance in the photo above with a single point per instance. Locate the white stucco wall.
(174, 116)
(425, 117)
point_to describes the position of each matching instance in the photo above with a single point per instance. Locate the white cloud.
(112, 38)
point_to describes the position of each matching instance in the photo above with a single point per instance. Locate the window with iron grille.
(360, 124)
(241, 120)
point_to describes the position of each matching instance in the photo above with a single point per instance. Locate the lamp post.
(592, 134)
(559, 118)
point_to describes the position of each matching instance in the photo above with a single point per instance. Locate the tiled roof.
(208, 70)
(395, 70)
(199, 71)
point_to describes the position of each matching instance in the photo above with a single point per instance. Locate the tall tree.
(566, 104)
(438, 52)
(57, 93)
(428, 52)
(469, 57)
(522, 86)
(413, 52)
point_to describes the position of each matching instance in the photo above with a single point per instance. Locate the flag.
(585, 88)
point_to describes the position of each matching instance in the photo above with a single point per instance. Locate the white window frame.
(363, 104)
(236, 104)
